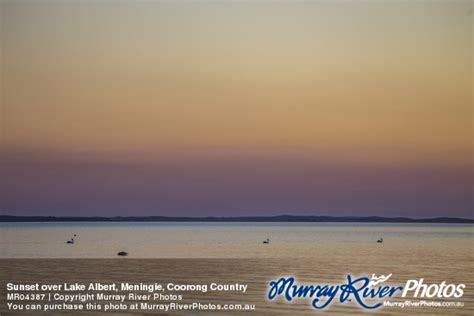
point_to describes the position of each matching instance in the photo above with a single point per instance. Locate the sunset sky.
(231, 108)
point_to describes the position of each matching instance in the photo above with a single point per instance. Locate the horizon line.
(271, 218)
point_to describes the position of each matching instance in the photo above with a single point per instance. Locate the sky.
(230, 108)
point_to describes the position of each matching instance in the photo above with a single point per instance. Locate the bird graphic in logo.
(377, 280)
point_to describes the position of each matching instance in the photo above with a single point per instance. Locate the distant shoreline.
(279, 218)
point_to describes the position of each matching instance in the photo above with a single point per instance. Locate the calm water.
(227, 240)
(312, 252)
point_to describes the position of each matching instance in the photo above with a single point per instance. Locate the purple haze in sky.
(230, 187)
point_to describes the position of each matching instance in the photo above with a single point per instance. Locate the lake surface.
(191, 252)
(228, 240)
